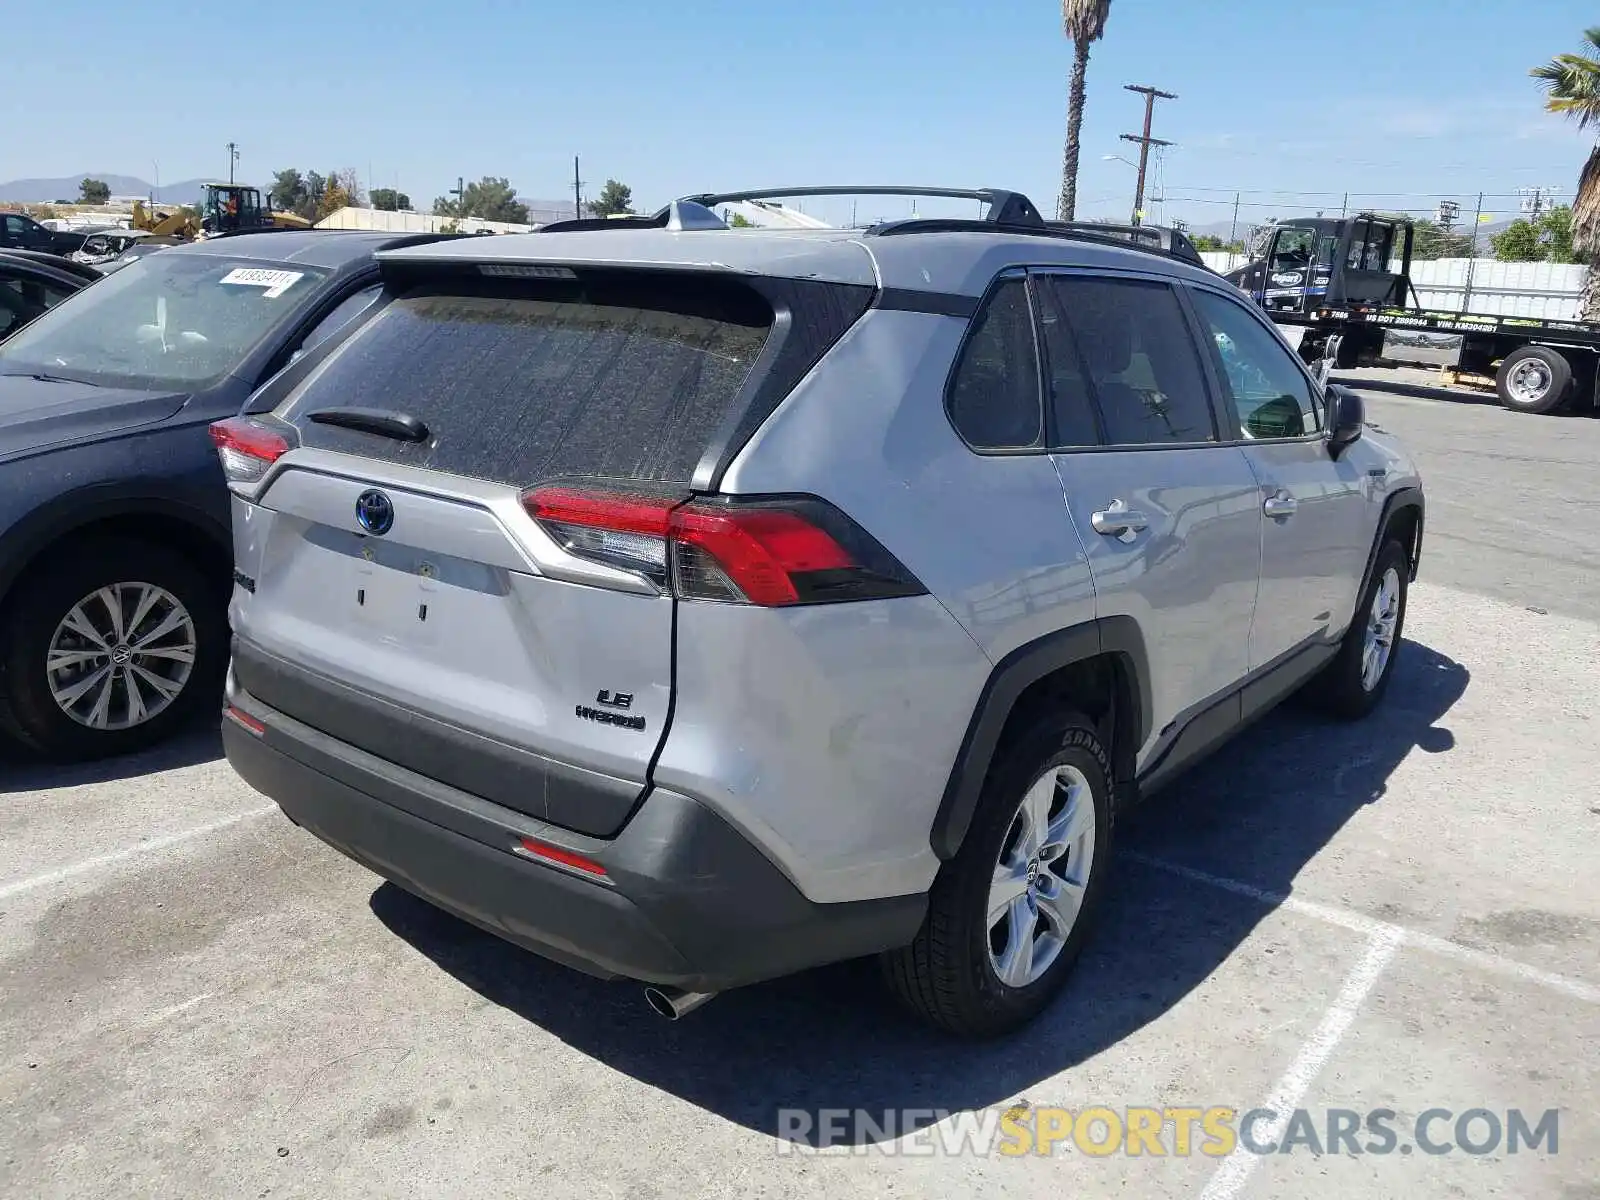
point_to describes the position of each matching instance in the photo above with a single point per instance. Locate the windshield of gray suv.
(166, 322)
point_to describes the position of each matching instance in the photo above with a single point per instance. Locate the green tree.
(1555, 229)
(316, 188)
(1211, 243)
(1518, 242)
(1572, 88)
(492, 198)
(288, 190)
(614, 199)
(389, 200)
(94, 191)
(1547, 239)
(1430, 240)
(740, 221)
(1084, 22)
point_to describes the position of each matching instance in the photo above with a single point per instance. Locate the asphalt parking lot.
(199, 1000)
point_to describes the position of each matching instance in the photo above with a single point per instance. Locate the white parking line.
(1233, 1172)
(7, 891)
(1370, 926)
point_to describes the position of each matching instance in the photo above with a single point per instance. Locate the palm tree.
(1572, 86)
(1084, 22)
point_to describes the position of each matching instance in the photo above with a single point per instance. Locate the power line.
(1194, 187)
(1228, 201)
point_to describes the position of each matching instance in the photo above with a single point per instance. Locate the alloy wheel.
(1039, 881)
(1381, 623)
(121, 656)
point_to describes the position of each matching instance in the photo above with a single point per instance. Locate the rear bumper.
(687, 900)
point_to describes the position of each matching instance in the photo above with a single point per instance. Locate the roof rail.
(1166, 238)
(1071, 230)
(1005, 208)
(1008, 212)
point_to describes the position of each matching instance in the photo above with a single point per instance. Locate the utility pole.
(233, 157)
(1472, 257)
(460, 194)
(1145, 141)
(577, 191)
(1534, 200)
(1233, 230)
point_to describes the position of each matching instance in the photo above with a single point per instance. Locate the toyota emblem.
(375, 512)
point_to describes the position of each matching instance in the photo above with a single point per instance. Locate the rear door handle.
(1280, 506)
(1119, 521)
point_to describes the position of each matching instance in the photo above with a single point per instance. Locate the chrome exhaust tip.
(672, 1004)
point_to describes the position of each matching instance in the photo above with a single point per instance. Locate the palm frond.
(1586, 208)
(1572, 84)
(1085, 20)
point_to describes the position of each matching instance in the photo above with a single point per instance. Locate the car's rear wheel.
(109, 645)
(1008, 915)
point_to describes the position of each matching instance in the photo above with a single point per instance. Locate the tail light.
(769, 551)
(247, 448)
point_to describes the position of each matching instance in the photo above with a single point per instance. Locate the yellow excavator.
(224, 208)
(183, 224)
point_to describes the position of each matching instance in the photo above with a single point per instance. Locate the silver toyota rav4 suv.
(696, 605)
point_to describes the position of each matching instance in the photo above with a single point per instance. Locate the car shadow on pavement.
(21, 771)
(831, 1038)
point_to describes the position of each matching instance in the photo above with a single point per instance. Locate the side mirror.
(1346, 417)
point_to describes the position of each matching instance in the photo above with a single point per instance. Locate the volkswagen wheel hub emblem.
(375, 512)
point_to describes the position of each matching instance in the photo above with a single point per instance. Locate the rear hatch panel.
(442, 648)
(462, 641)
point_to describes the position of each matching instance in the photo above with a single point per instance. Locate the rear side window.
(1069, 394)
(619, 382)
(1140, 359)
(994, 391)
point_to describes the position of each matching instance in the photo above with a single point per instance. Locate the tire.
(33, 624)
(949, 975)
(1344, 688)
(1533, 379)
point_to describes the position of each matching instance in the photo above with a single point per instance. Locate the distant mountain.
(43, 191)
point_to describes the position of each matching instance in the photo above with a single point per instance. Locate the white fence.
(1547, 291)
(412, 222)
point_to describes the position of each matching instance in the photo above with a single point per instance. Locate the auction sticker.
(276, 283)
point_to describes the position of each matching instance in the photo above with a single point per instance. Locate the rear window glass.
(521, 389)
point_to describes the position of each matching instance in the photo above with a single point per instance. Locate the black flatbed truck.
(1332, 279)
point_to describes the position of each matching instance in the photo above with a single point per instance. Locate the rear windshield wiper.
(400, 426)
(41, 376)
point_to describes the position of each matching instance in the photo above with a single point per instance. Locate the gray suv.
(696, 605)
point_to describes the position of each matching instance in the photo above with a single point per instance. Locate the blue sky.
(1382, 99)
